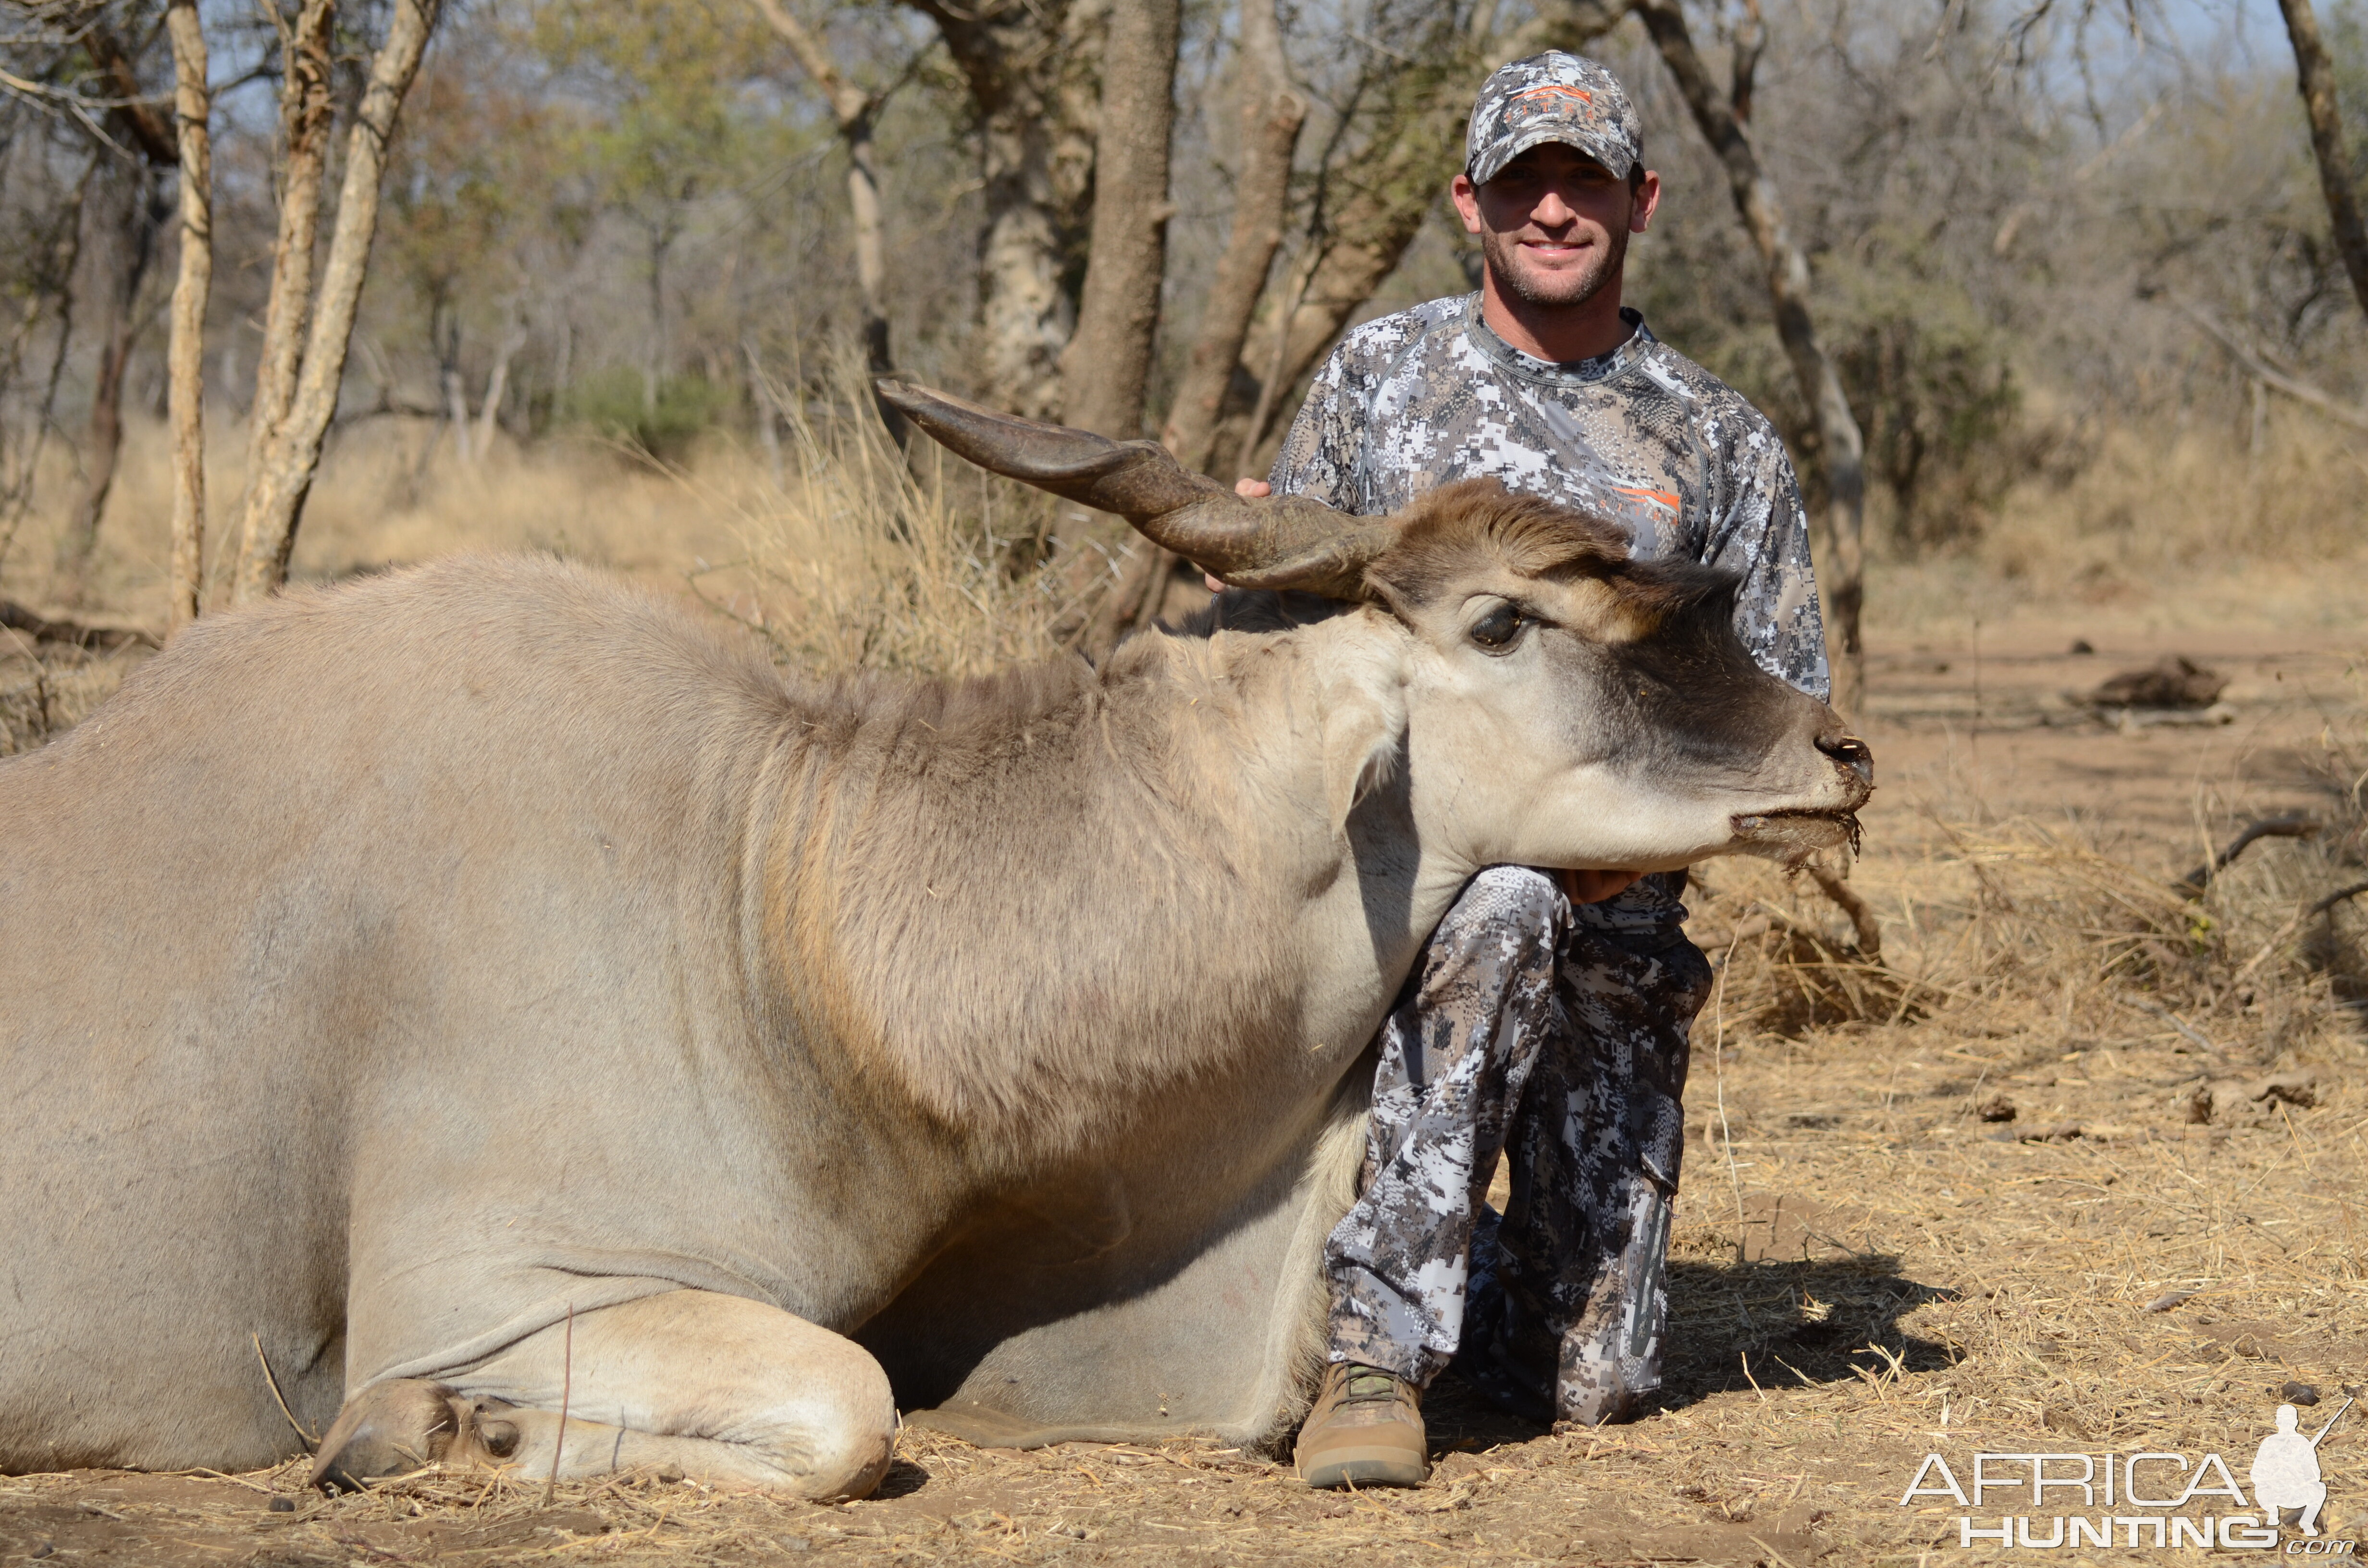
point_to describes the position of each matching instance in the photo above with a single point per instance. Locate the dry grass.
(1865, 1268)
(847, 557)
(2131, 515)
(2024, 928)
(46, 689)
(859, 558)
(2165, 494)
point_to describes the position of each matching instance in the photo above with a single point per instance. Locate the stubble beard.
(1502, 254)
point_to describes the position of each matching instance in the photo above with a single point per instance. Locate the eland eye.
(1498, 629)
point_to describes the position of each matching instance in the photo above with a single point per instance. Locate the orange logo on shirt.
(1666, 498)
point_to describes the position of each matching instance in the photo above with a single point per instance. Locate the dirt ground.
(1870, 1267)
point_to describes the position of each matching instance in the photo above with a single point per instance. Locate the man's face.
(1554, 224)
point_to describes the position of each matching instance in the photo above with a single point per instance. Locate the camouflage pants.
(1557, 1034)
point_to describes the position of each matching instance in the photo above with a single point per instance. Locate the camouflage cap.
(1552, 97)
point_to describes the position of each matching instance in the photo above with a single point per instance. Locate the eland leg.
(736, 1393)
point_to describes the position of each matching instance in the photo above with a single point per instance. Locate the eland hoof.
(391, 1428)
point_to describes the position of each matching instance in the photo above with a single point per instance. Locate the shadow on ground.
(1780, 1325)
(1737, 1327)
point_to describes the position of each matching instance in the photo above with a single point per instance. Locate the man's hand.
(1253, 488)
(1594, 887)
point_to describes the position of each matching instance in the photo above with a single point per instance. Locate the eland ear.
(1364, 726)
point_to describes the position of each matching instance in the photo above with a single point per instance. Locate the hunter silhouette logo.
(2152, 1499)
(2286, 1469)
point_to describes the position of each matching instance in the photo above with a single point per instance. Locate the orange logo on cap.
(1555, 92)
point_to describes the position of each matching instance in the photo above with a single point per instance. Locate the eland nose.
(1852, 754)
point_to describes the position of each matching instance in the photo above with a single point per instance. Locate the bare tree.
(192, 110)
(306, 115)
(134, 216)
(2315, 74)
(131, 114)
(275, 493)
(1372, 194)
(54, 251)
(1106, 366)
(1396, 142)
(853, 110)
(1272, 115)
(130, 123)
(1027, 63)
(1843, 446)
(498, 386)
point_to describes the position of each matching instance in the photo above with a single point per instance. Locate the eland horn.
(1285, 542)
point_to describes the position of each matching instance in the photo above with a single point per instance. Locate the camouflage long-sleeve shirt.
(1642, 436)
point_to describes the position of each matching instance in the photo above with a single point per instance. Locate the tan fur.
(394, 970)
(1335, 1173)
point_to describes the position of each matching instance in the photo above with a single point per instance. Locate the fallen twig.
(566, 1389)
(1861, 918)
(2331, 900)
(2194, 1036)
(81, 634)
(2291, 926)
(312, 1443)
(2267, 827)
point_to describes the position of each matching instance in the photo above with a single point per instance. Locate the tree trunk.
(275, 499)
(656, 360)
(562, 367)
(768, 417)
(1393, 186)
(853, 110)
(1843, 447)
(306, 114)
(1272, 116)
(498, 386)
(1027, 63)
(186, 365)
(456, 413)
(871, 247)
(1366, 243)
(104, 443)
(133, 117)
(2315, 74)
(1420, 99)
(1106, 366)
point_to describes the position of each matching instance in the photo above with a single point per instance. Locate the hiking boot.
(1365, 1430)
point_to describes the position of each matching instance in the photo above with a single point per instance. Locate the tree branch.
(185, 354)
(1843, 447)
(849, 103)
(2315, 75)
(276, 500)
(2261, 370)
(1750, 40)
(133, 109)
(1271, 118)
(306, 114)
(1106, 368)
